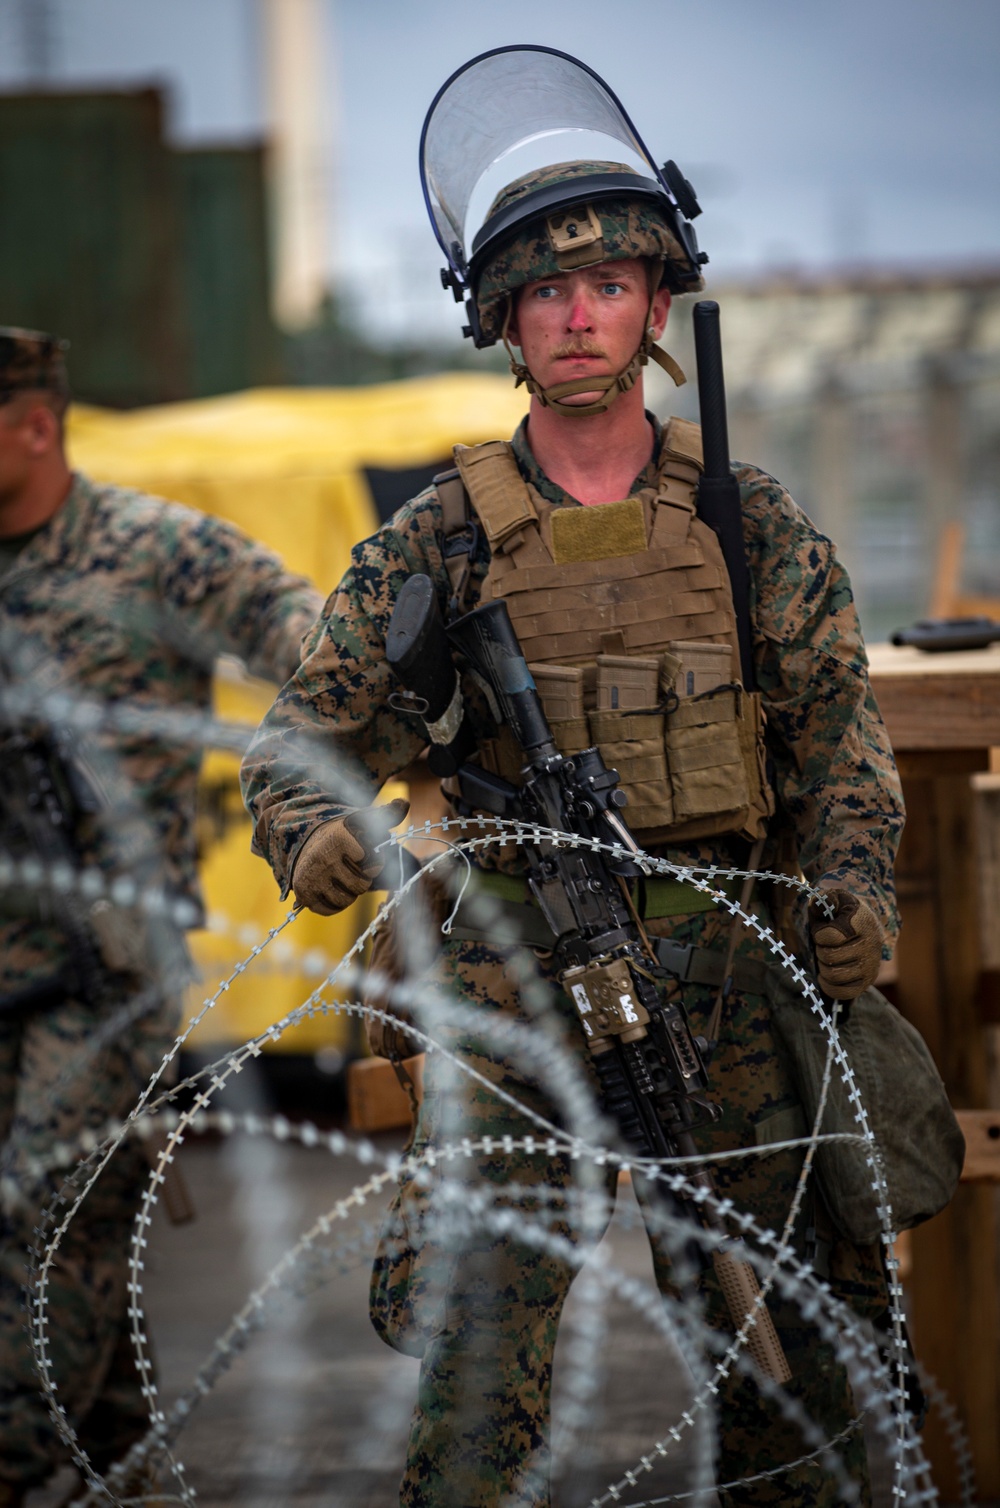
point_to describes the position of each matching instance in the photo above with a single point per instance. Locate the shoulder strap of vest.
(459, 532)
(497, 489)
(454, 501)
(681, 441)
(677, 491)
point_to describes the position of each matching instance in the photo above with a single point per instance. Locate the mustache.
(578, 348)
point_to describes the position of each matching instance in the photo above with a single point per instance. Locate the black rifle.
(719, 503)
(49, 796)
(650, 1066)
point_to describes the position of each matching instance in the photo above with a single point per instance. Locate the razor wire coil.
(211, 1079)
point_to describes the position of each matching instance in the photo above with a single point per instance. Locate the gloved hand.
(848, 945)
(337, 862)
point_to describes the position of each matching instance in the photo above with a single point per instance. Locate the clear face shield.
(512, 111)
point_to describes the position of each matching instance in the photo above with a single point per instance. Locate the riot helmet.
(530, 107)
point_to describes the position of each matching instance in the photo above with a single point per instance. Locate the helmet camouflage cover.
(31, 359)
(610, 229)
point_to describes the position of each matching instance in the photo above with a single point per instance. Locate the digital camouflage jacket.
(122, 602)
(838, 792)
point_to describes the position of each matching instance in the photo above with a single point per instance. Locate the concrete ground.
(315, 1411)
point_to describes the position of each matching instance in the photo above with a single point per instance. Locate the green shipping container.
(152, 263)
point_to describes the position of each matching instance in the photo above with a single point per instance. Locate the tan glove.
(337, 862)
(848, 945)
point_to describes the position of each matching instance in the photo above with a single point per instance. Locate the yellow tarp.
(285, 465)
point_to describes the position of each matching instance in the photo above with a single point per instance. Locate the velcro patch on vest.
(599, 532)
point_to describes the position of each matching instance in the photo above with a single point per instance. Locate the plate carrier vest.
(625, 615)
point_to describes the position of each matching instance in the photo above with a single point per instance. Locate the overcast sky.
(816, 131)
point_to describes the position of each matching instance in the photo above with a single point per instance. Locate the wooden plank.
(903, 662)
(931, 714)
(926, 764)
(988, 997)
(952, 1285)
(376, 1100)
(938, 701)
(987, 799)
(981, 1129)
(948, 572)
(954, 1330)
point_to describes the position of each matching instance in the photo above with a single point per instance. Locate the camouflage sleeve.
(836, 778)
(331, 740)
(231, 594)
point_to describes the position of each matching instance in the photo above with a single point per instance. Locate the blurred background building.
(874, 395)
(222, 194)
(151, 260)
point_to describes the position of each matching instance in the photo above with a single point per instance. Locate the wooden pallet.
(376, 1101)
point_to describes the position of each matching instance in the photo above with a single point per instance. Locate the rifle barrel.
(711, 389)
(719, 503)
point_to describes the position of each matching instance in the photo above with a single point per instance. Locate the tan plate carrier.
(625, 615)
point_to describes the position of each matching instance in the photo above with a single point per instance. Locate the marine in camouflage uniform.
(480, 1308)
(123, 601)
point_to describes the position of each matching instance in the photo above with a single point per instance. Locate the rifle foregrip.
(487, 639)
(741, 1290)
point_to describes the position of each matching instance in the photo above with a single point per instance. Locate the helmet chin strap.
(609, 387)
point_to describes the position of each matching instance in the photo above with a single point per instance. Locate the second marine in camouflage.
(586, 525)
(113, 606)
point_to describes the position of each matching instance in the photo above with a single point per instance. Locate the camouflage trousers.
(60, 1076)
(479, 1299)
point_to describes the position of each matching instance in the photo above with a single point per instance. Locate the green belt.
(688, 963)
(664, 896)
